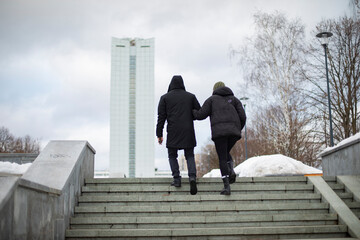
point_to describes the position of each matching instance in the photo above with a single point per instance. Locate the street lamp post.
(324, 36)
(246, 153)
(208, 158)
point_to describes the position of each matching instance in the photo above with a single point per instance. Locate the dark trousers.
(190, 160)
(223, 146)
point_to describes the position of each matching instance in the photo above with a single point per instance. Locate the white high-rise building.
(132, 129)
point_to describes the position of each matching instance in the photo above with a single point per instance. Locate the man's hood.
(176, 83)
(223, 91)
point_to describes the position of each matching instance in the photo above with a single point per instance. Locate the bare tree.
(344, 76)
(355, 7)
(6, 140)
(11, 144)
(272, 61)
(208, 159)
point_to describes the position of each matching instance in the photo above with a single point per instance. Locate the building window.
(132, 115)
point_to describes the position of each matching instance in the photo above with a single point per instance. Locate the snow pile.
(13, 168)
(269, 165)
(353, 138)
(213, 173)
(273, 165)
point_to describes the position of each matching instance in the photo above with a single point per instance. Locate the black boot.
(176, 182)
(232, 177)
(226, 189)
(193, 188)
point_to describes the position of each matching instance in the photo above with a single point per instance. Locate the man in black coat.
(176, 107)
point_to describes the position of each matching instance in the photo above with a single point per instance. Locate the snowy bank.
(13, 168)
(269, 165)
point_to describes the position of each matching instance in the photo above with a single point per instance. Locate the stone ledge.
(338, 147)
(52, 168)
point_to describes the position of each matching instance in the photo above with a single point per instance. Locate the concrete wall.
(8, 186)
(39, 204)
(343, 159)
(19, 158)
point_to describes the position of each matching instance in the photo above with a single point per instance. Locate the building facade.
(132, 128)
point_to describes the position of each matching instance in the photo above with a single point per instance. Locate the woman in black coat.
(227, 118)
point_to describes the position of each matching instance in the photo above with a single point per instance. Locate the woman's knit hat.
(218, 85)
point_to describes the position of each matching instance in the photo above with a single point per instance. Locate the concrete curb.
(337, 205)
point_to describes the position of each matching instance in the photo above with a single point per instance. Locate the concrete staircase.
(346, 195)
(258, 208)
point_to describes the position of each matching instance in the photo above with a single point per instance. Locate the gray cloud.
(55, 57)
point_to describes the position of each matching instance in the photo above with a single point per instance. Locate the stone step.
(258, 208)
(332, 238)
(198, 199)
(336, 186)
(329, 178)
(212, 233)
(354, 205)
(194, 203)
(199, 209)
(127, 188)
(159, 181)
(203, 225)
(207, 185)
(346, 196)
(210, 213)
(203, 221)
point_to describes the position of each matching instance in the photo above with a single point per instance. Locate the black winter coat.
(227, 115)
(176, 107)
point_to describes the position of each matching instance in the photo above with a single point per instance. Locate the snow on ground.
(353, 138)
(213, 173)
(13, 168)
(269, 165)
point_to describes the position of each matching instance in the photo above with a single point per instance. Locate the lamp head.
(324, 37)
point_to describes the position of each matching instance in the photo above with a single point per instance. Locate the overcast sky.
(55, 58)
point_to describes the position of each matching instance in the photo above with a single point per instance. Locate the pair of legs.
(174, 165)
(223, 146)
(190, 160)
